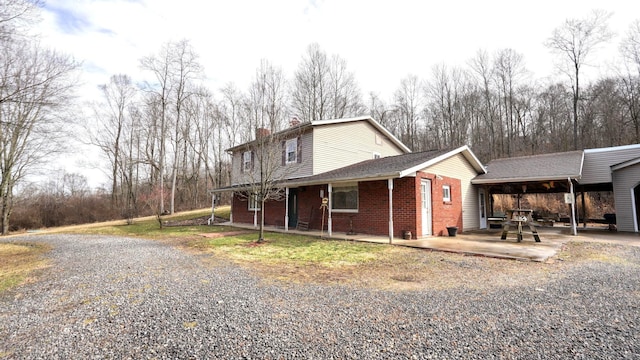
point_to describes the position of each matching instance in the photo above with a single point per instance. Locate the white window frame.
(446, 193)
(341, 188)
(253, 203)
(246, 161)
(291, 144)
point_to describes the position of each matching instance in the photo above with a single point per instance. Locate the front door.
(425, 192)
(482, 208)
(293, 208)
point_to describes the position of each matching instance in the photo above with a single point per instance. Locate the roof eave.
(518, 180)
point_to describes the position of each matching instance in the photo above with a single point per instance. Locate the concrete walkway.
(484, 243)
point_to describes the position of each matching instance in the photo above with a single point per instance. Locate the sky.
(382, 41)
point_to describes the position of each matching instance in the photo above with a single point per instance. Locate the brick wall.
(373, 213)
(444, 214)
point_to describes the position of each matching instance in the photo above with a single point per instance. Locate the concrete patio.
(485, 242)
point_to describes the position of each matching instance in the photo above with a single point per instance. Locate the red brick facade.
(373, 208)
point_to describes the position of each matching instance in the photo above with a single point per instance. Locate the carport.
(536, 174)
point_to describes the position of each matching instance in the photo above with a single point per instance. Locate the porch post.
(390, 186)
(574, 229)
(329, 226)
(286, 209)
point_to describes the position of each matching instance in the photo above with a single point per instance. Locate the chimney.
(294, 121)
(262, 132)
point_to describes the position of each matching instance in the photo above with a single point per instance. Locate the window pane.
(292, 150)
(345, 198)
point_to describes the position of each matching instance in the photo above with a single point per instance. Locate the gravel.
(110, 297)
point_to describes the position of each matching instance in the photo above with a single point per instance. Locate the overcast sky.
(382, 41)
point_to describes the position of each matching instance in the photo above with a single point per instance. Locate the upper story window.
(291, 148)
(446, 193)
(292, 151)
(247, 161)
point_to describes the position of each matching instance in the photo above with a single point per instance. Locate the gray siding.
(459, 168)
(343, 144)
(274, 161)
(624, 181)
(597, 162)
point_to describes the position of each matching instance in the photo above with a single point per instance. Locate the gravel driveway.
(109, 297)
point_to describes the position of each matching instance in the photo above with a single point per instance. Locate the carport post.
(574, 229)
(390, 186)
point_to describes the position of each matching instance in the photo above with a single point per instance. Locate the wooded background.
(164, 139)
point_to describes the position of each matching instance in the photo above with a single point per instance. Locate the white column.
(574, 229)
(329, 190)
(390, 186)
(286, 209)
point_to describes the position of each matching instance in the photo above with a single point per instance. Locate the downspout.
(390, 186)
(329, 226)
(574, 229)
(286, 209)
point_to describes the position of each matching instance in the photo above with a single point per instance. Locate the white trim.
(522, 179)
(448, 193)
(633, 207)
(625, 164)
(463, 149)
(613, 148)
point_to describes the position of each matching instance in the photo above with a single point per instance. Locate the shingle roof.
(554, 166)
(374, 169)
(387, 167)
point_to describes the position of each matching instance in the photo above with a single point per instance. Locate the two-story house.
(353, 175)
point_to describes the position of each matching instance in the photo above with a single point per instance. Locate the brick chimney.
(262, 132)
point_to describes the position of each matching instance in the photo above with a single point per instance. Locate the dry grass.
(18, 262)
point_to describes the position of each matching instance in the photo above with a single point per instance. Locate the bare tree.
(575, 40)
(35, 83)
(108, 132)
(408, 105)
(630, 77)
(267, 97)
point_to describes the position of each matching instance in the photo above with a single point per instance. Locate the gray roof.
(376, 169)
(383, 168)
(555, 166)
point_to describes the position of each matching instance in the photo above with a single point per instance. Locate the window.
(254, 203)
(446, 193)
(291, 150)
(247, 161)
(376, 155)
(344, 198)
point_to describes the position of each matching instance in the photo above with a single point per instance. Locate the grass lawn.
(18, 262)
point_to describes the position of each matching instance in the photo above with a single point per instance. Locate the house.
(370, 182)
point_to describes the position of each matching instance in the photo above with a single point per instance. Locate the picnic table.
(519, 218)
